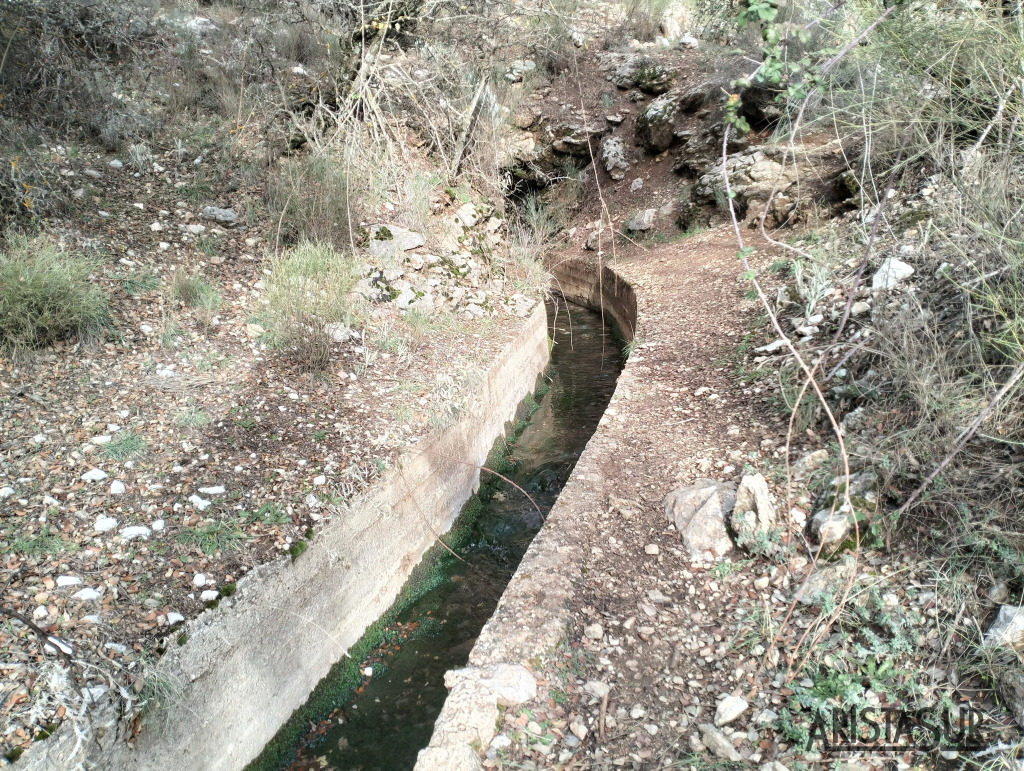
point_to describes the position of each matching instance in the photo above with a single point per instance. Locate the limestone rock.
(808, 463)
(613, 157)
(388, 239)
(824, 583)
(642, 220)
(645, 73)
(468, 717)
(699, 513)
(718, 743)
(655, 123)
(520, 68)
(510, 684)
(457, 757)
(753, 512)
(224, 216)
(753, 176)
(890, 273)
(1008, 628)
(730, 708)
(831, 528)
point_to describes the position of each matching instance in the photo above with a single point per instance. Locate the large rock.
(613, 157)
(699, 513)
(753, 513)
(390, 239)
(642, 220)
(1008, 628)
(1010, 685)
(645, 73)
(753, 175)
(655, 124)
(890, 273)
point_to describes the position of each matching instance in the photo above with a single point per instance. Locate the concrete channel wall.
(533, 614)
(252, 661)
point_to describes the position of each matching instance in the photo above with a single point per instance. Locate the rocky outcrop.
(755, 175)
(613, 157)
(643, 72)
(656, 123)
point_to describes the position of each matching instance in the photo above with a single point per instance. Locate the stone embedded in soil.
(890, 273)
(86, 595)
(209, 595)
(825, 583)
(174, 618)
(387, 239)
(699, 513)
(6, 492)
(597, 689)
(642, 220)
(224, 216)
(651, 548)
(117, 487)
(718, 743)
(831, 528)
(136, 531)
(1008, 628)
(215, 490)
(753, 513)
(63, 581)
(104, 524)
(200, 503)
(199, 580)
(613, 157)
(593, 631)
(94, 475)
(730, 708)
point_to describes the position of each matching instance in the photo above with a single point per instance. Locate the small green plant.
(212, 538)
(269, 514)
(319, 435)
(140, 283)
(125, 446)
(193, 417)
(42, 544)
(46, 294)
(632, 345)
(195, 292)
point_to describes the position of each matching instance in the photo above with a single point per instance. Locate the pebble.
(209, 595)
(174, 618)
(730, 708)
(135, 531)
(116, 164)
(99, 441)
(6, 492)
(597, 689)
(117, 487)
(200, 503)
(49, 500)
(762, 582)
(85, 595)
(63, 581)
(199, 580)
(104, 524)
(215, 490)
(651, 548)
(94, 475)
(158, 525)
(320, 480)
(594, 631)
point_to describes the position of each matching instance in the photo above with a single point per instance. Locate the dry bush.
(308, 292)
(310, 195)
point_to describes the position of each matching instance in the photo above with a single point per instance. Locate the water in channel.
(391, 716)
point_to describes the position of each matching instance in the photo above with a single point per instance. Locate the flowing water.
(391, 716)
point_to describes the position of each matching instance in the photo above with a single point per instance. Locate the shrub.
(307, 292)
(195, 292)
(45, 294)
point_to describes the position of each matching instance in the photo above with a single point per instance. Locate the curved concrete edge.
(534, 611)
(249, 664)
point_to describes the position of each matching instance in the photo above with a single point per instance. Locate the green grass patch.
(125, 446)
(45, 294)
(212, 538)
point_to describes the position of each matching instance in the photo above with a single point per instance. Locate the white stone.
(215, 490)
(6, 492)
(200, 503)
(594, 631)
(642, 220)
(174, 618)
(209, 595)
(651, 548)
(99, 441)
(199, 580)
(86, 595)
(597, 689)
(116, 164)
(1008, 628)
(718, 743)
(320, 480)
(63, 581)
(135, 531)
(730, 708)
(891, 272)
(699, 513)
(158, 525)
(467, 215)
(117, 487)
(49, 500)
(94, 475)
(104, 524)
